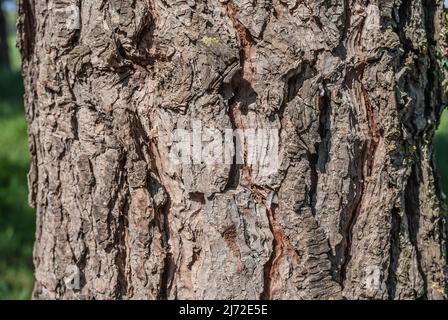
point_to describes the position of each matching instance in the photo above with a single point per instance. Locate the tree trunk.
(351, 87)
(4, 51)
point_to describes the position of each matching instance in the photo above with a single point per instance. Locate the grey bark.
(354, 88)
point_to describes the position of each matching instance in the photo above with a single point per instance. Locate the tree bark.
(4, 49)
(353, 88)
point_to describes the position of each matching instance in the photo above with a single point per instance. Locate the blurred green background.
(17, 219)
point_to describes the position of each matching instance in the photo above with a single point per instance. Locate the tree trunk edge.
(355, 210)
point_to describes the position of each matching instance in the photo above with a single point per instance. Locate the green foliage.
(11, 86)
(16, 217)
(14, 53)
(441, 144)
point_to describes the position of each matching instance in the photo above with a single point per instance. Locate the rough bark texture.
(352, 85)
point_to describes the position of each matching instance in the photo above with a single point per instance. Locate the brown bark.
(352, 86)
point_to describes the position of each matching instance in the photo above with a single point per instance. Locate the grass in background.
(17, 219)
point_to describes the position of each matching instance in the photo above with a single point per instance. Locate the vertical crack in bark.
(312, 159)
(354, 25)
(321, 150)
(246, 43)
(404, 11)
(394, 252)
(119, 239)
(352, 214)
(161, 213)
(374, 134)
(243, 94)
(412, 211)
(162, 222)
(365, 165)
(429, 9)
(26, 28)
(121, 257)
(278, 246)
(161, 216)
(166, 278)
(235, 120)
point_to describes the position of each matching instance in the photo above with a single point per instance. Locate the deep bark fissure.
(367, 158)
(318, 160)
(168, 273)
(313, 160)
(352, 214)
(404, 11)
(433, 103)
(166, 277)
(243, 93)
(245, 39)
(394, 252)
(355, 83)
(26, 26)
(161, 216)
(119, 234)
(324, 117)
(278, 246)
(121, 256)
(412, 205)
